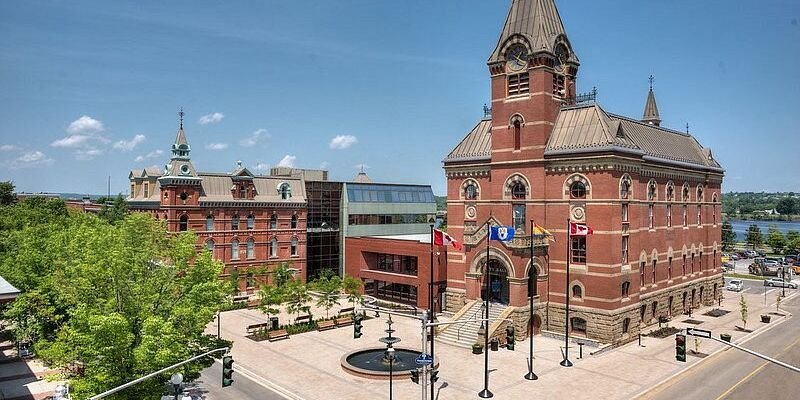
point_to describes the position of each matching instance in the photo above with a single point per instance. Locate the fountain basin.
(371, 363)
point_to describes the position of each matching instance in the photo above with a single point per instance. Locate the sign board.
(698, 332)
(424, 359)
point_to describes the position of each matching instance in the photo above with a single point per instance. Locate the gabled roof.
(584, 127)
(537, 21)
(477, 145)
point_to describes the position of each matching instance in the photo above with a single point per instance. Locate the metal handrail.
(480, 310)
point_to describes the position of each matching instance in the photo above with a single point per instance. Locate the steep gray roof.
(477, 145)
(588, 128)
(180, 138)
(217, 187)
(537, 21)
(7, 290)
(651, 110)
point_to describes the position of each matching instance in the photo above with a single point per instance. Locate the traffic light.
(227, 371)
(415, 376)
(510, 337)
(680, 347)
(357, 326)
(434, 375)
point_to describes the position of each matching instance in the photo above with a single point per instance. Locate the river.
(740, 227)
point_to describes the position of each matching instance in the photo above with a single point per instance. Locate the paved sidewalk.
(23, 379)
(308, 365)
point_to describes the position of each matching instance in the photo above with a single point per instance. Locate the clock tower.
(533, 70)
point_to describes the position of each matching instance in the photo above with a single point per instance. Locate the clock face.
(562, 55)
(517, 57)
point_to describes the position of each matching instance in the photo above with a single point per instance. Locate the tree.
(728, 236)
(297, 297)
(330, 289)
(114, 210)
(270, 298)
(283, 274)
(124, 299)
(7, 196)
(743, 311)
(787, 206)
(792, 243)
(233, 280)
(754, 237)
(352, 288)
(775, 239)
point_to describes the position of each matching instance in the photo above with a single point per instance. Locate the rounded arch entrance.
(495, 273)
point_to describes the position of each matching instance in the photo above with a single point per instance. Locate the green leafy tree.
(283, 274)
(233, 280)
(754, 237)
(270, 299)
(728, 236)
(775, 239)
(792, 243)
(124, 299)
(114, 210)
(743, 311)
(297, 297)
(330, 289)
(352, 288)
(7, 193)
(787, 206)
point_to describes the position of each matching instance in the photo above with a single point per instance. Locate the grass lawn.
(745, 276)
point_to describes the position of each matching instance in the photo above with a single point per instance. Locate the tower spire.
(651, 115)
(538, 23)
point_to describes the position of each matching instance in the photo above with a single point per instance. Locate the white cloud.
(29, 160)
(85, 124)
(255, 138)
(88, 153)
(217, 146)
(287, 161)
(7, 147)
(212, 118)
(342, 142)
(153, 154)
(71, 141)
(129, 145)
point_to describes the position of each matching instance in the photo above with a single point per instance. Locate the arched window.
(625, 187)
(251, 221)
(577, 190)
(294, 221)
(235, 223)
(210, 223)
(685, 192)
(517, 135)
(577, 291)
(294, 246)
(518, 191)
(626, 287)
(210, 245)
(626, 324)
(183, 223)
(235, 249)
(670, 194)
(654, 310)
(273, 221)
(471, 191)
(273, 247)
(251, 248)
(285, 191)
(652, 188)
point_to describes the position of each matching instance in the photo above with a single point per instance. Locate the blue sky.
(92, 88)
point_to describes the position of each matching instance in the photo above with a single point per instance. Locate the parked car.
(735, 285)
(751, 254)
(728, 267)
(733, 256)
(778, 282)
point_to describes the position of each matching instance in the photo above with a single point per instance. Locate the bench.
(344, 321)
(277, 334)
(346, 310)
(325, 325)
(254, 327)
(302, 319)
(240, 299)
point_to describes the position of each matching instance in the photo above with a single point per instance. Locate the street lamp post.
(176, 380)
(486, 393)
(532, 275)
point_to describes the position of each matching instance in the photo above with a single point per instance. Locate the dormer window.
(242, 192)
(285, 191)
(518, 84)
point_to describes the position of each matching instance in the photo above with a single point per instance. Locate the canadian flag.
(576, 229)
(443, 239)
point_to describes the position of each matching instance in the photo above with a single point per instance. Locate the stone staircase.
(465, 335)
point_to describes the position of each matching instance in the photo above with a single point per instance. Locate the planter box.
(726, 337)
(766, 318)
(477, 349)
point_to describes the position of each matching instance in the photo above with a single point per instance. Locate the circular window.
(184, 196)
(577, 190)
(518, 191)
(185, 169)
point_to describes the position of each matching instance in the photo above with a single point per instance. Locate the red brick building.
(248, 221)
(396, 268)
(651, 194)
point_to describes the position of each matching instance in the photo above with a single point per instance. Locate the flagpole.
(566, 362)
(430, 308)
(486, 393)
(532, 281)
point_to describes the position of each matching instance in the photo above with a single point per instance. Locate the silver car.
(778, 282)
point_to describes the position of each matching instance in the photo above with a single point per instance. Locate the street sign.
(424, 359)
(698, 332)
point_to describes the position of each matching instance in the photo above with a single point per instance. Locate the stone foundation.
(455, 299)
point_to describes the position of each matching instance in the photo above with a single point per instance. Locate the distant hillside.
(441, 203)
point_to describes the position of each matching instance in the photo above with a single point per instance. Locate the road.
(736, 375)
(209, 387)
